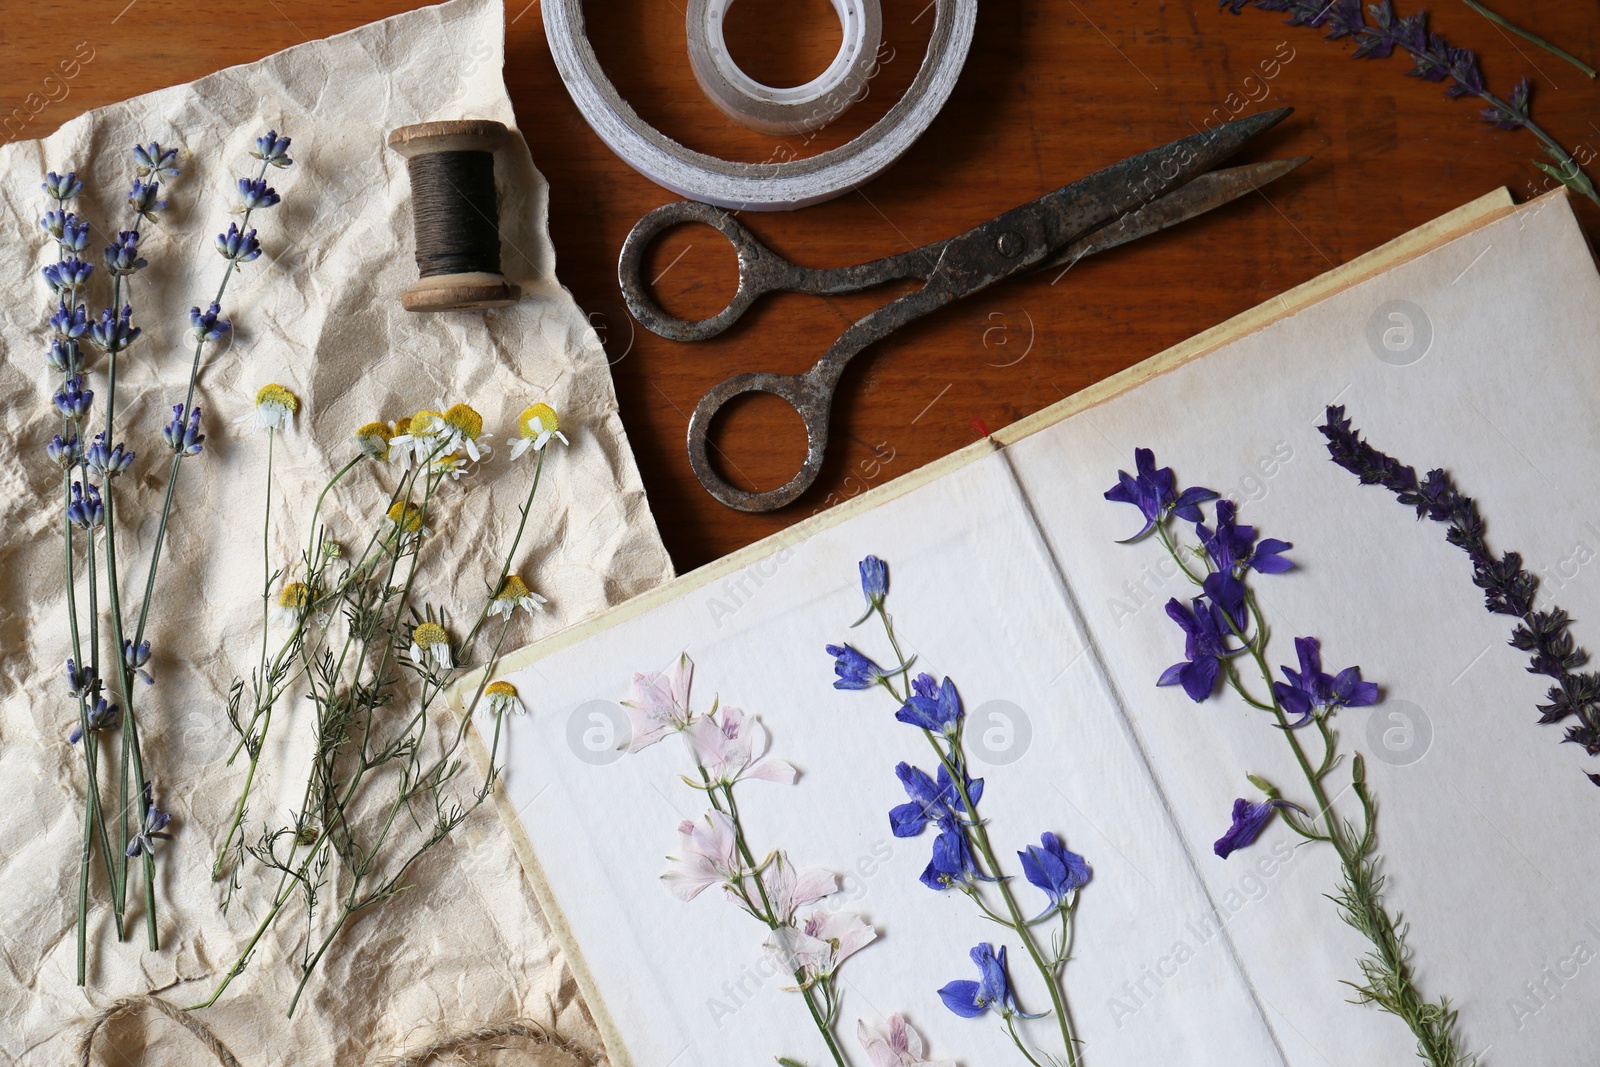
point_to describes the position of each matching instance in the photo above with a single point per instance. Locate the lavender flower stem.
(1501, 21)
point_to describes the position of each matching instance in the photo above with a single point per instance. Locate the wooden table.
(1053, 89)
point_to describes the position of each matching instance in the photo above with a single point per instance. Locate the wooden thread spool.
(456, 216)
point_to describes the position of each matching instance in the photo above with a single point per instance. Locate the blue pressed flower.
(992, 989)
(72, 399)
(1205, 631)
(152, 159)
(254, 193)
(241, 247)
(1227, 592)
(1154, 492)
(1311, 689)
(1054, 868)
(80, 682)
(122, 254)
(135, 659)
(931, 801)
(155, 821)
(66, 453)
(69, 323)
(1249, 819)
(86, 509)
(112, 333)
(854, 670)
(104, 715)
(67, 276)
(207, 325)
(186, 440)
(1233, 546)
(62, 186)
(952, 863)
(64, 356)
(273, 149)
(933, 706)
(143, 198)
(874, 580)
(107, 462)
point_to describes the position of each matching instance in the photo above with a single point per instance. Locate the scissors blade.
(1210, 190)
(1089, 203)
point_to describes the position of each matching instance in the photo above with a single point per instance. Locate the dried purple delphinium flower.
(1433, 59)
(1509, 588)
(1223, 627)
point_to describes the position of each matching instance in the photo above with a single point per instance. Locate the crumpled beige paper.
(319, 313)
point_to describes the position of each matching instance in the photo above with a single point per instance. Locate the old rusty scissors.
(1134, 198)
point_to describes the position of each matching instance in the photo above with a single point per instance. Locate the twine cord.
(129, 1005)
(452, 1048)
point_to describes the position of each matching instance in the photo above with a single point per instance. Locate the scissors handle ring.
(810, 397)
(754, 258)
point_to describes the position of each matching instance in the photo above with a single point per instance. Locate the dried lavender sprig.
(1508, 587)
(1501, 20)
(185, 443)
(1434, 59)
(67, 277)
(123, 261)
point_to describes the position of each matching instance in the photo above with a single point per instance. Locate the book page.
(1486, 823)
(976, 598)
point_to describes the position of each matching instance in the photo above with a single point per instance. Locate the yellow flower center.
(402, 425)
(500, 689)
(374, 439)
(274, 395)
(538, 419)
(295, 596)
(514, 588)
(429, 634)
(422, 423)
(464, 420)
(406, 515)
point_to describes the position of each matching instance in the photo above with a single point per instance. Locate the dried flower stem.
(955, 764)
(1508, 587)
(1389, 980)
(353, 743)
(1501, 21)
(1434, 59)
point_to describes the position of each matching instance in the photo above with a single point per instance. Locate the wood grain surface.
(1053, 89)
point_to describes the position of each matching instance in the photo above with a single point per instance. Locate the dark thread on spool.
(456, 215)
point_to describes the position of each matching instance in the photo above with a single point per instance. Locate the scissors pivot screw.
(1009, 244)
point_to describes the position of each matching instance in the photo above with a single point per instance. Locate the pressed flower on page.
(963, 860)
(1226, 645)
(728, 748)
(894, 1043)
(732, 747)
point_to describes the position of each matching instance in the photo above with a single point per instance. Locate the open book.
(1468, 345)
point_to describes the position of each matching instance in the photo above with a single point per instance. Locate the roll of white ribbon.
(759, 186)
(801, 108)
